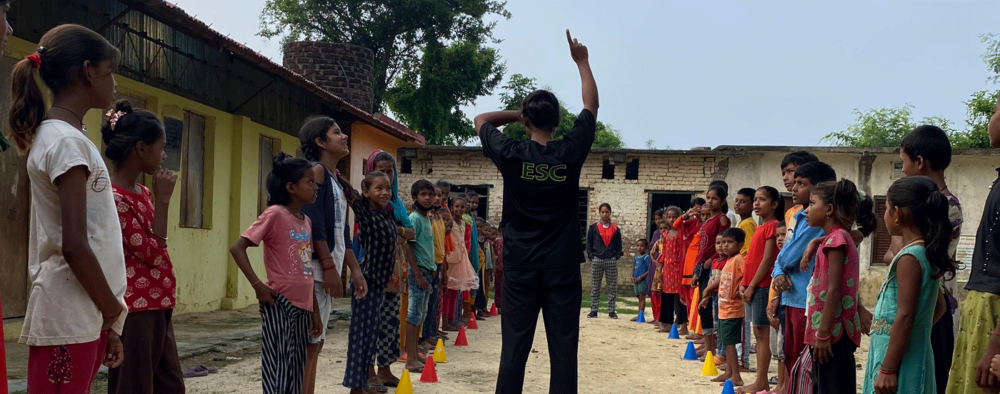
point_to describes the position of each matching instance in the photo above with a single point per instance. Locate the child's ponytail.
(929, 210)
(62, 53)
(844, 197)
(27, 110)
(867, 222)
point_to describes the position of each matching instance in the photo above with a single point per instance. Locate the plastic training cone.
(690, 354)
(439, 356)
(673, 332)
(493, 310)
(430, 375)
(404, 386)
(728, 388)
(460, 340)
(472, 323)
(641, 318)
(709, 369)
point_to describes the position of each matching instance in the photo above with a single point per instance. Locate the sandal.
(195, 373)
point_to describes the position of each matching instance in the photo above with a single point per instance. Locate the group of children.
(103, 284)
(792, 276)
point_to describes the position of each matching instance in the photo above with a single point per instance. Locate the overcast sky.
(691, 73)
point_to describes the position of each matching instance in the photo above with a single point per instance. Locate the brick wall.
(628, 198)
(345, 70)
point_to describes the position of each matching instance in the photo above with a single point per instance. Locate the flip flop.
(204, 368)
(193, 373)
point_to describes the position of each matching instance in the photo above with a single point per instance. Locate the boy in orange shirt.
(731, 310)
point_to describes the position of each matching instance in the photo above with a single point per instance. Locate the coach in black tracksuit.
(542, 246)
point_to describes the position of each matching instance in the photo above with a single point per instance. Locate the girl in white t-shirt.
(76, 261)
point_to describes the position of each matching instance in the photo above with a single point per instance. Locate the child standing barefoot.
(135, 140)
(901, 358)
(757, 280)
(377, 234)
(640, 269)
(76, 261)
(287, 300)
(730, 310)
(832, 320)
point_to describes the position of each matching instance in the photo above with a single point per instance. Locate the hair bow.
(113, 117)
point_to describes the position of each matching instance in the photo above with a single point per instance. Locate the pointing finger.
(569, 37)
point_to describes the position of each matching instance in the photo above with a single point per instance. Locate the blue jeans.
(419, 298)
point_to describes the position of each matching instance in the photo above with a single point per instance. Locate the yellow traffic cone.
(439, 356)
(709, 368)
(404, 386)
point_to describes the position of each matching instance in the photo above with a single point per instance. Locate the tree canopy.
(415, 42)
(519, 86)
(886, 127)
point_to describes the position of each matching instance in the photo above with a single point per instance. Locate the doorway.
(663, 199)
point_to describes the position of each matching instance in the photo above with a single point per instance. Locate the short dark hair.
(422, 184)
(798, 158)
(443, 184)
(697, 201)
(817, 172)
(603, 205)
(931, 143)
(660, 212)
(722, 184)
(471, 193)
(746, 191)
(644, 241)
(734, 233)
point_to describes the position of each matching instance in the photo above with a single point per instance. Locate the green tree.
(882, 127)
(979, 110)
(518, 87)
(428, 99)
(397, 31)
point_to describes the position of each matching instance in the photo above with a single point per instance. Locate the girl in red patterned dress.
(135, 140)
(672, 259)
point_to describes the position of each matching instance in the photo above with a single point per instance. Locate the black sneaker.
(592, 315)
(613, 315)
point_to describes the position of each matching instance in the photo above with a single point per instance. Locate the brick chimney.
(344, 70)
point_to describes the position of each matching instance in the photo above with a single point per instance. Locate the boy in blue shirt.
(640, 269)
(789, 279)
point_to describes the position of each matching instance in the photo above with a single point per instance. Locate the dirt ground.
(615, 356)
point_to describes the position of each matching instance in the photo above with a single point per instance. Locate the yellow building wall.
(207, 276)
(364, 140)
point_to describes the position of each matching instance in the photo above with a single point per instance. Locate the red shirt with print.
(151, 281)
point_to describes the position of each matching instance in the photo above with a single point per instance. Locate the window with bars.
(881, 239)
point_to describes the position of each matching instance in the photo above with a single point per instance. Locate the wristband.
(823, 339)
(329, 268)
(887, 371)
(255, 283)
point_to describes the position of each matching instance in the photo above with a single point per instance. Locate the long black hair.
(287, 169)
(317, 127)
(929, 212)
(849, 207)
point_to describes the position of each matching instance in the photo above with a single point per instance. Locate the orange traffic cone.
(472, 323)
(430, 375)
(461, 340)
(493, 310)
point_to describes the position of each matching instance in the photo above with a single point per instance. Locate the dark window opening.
(609, 170)
(662, 200)
(632, 170)
(406, 166)
(881, 238)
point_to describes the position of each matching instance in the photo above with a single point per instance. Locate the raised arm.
(582, 59)
(496, 118)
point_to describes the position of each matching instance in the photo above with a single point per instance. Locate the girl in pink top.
(833, 330)
(287, 299)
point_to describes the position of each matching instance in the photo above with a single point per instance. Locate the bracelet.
(122, 309)
(255, 283)
(823, 339)
(158, 236)
(329, 268)
(887, 371)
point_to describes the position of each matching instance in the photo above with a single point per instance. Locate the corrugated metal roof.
(176, 18)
